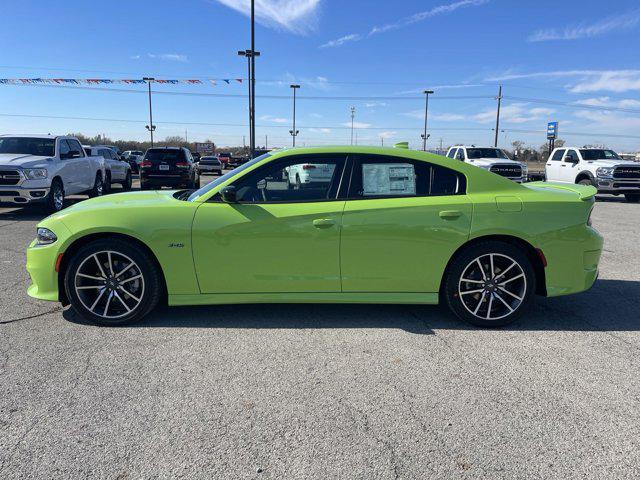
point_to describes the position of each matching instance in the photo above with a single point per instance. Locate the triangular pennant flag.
(213, 82)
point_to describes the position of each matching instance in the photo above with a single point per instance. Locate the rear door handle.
(450, 214)
(324, 222)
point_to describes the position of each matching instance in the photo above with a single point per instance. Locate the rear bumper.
(573, 265)
(210, 168)
(172, 179)
(20, 195)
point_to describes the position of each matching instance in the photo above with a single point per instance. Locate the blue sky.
(572, 61)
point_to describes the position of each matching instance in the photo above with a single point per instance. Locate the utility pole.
(382, 141)
(440, 151)
(151, 127)
(353, 112)
(495, 141)
(251, 80)
(426, 113)
(186, 136)
(294, 132)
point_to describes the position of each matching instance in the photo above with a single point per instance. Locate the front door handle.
(450, 214)
(324, 222)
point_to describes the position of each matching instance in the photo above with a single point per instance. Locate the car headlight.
(605, 171)
(45, 236)
(35, 173)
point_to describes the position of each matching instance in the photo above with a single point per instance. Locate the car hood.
(611, 163)
(487, 162)
(23, 161)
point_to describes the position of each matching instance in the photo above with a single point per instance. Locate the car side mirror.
(228, 194)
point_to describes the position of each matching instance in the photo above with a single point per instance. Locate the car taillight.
(182, 165)
(146, 164)
(308, 167)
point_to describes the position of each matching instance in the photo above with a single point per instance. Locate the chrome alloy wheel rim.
(109, 284)
(492, 286)
(58, 198)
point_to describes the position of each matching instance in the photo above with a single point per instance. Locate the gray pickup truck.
(45, 168)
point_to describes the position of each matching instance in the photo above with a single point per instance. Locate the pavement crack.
(29, 317)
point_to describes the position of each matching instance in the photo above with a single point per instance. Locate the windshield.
(599, 154)
(44, 147)
(473, 153)
(209, 186)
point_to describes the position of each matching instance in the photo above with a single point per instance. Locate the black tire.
(482, 293)
(586, 181)
(54, 201)
(98, 187)
(126, 185)
(107, 183)
(144, 186)
(149, 286)
(632, 197)
(298, 184)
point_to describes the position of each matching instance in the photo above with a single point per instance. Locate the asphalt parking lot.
(325, 391)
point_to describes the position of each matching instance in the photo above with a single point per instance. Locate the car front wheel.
(112, 282)
(490, 284)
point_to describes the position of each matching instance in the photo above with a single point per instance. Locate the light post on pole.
(424, 136)
(294, 132)
(151, 127)
(353, 112)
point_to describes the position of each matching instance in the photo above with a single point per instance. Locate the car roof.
(26, 135)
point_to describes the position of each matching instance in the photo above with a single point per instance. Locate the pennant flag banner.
(111, 81)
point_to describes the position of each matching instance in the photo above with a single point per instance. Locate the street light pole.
(353, 112)
(151, 127)
(253, 79)
(294, 132)
(426, 114)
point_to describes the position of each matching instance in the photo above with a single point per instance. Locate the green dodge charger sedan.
(332, 225)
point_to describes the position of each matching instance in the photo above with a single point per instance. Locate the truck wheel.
(489, 284)
(111, 282)
(98, 187)
(126, 185)
(54, 202)
(586, 181)
(632, 197)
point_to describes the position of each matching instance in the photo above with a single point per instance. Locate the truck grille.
(627, 172)
(9, 177)
(511, 171)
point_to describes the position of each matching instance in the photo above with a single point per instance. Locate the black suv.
(168, 167)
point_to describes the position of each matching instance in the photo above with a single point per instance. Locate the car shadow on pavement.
(611, 305)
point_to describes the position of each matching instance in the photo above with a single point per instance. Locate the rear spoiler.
(585, 192)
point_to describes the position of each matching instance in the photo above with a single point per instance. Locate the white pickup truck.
(599, 167)
(490, 158)
(44, 168)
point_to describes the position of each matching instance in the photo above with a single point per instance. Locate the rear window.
(167, 156)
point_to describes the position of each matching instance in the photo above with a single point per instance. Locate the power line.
(339, 127)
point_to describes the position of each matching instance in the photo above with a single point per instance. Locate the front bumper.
(614, 185)
(21, 195)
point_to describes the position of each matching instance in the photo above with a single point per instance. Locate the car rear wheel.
(490, 284)
(112, 282)
(632, 197)
(98, 187)
(126, 185)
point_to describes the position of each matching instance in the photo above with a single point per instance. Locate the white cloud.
(320, 130)
(352, 37)
(375, 104)
(173, 57)
(357, 124)
(271, 118)
(618, 22)
(387, 134)
(420, 16)
(315, 115)
(608, 102)
(514, 113)
(296, 16)
(134, 57)
(589, 80)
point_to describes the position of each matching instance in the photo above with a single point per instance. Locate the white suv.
(309, 173)
(490, 158)
(599, 167)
